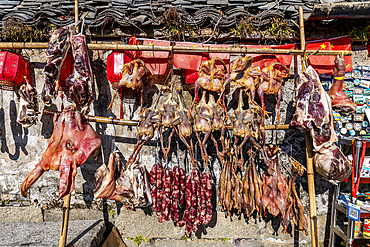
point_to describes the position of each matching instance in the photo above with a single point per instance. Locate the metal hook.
(178, 153)
(114, 147)
(157, 153)
(82, 25)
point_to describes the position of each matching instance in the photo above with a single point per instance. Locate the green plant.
(279, 28)
(112, 213)
(224, 239)
(361, 33)
(243, 27)
(14, 31)
(175, 24)
(139, 239)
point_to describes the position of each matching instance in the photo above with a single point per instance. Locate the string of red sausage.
(171, 189)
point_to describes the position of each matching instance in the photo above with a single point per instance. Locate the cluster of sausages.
(170, 189)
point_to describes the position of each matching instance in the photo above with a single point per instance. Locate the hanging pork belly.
(70, 145)
(314, 114)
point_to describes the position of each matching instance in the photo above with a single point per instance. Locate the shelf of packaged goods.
(364, 214)
(340, 231)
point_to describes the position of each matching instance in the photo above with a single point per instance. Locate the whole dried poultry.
(209, 117)
(203, 123)
(314, 113)
(132, 77)
(339, 101)
(252, 188)
(246, 124)
(211, 77)
(184, 127)
(295, 206)
(80, 82)
(167, 112)
(219, 120)
(271, 84)
(129, 185)
(230, 185)
(29, 107)
(148, 122)
(275, 187)
(59, 44)
(244, 75)
(70, 145)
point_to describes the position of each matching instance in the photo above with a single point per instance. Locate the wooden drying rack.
(191, 49)
(180, 49)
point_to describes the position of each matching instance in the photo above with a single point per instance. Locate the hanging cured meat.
(29, 107)
(132, 77)
(211, 77)
(275, 186)
(129, 185)
(81, 79)
(244, 75)
(70, 145)
(271, 84)
(59, 44)
(105, 179)
(314, 113)
(339, 101)
(295, 208)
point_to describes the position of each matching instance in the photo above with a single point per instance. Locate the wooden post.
(65, 216)
(76, 13)
(309, 157)
(67, 198)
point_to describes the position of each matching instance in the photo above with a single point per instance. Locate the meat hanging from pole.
(29, 106)
(56, 53)
(72, 142)
(129, 185)
(80, 82)
(133, 77)
(314, 113)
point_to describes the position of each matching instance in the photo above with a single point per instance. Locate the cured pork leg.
(80, 81)
(59, 44)
(339, 101)
(314, 113)
(71, 144)
(332, 165)
(29, 108)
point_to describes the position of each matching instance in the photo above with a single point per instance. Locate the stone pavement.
(87, 233)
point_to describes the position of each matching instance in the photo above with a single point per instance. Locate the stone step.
(87, 233)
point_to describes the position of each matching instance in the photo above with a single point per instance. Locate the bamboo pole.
(178, 49)
(65, 217)
(128, 122)
(309, 157)
(67, 198)
(76, 13)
